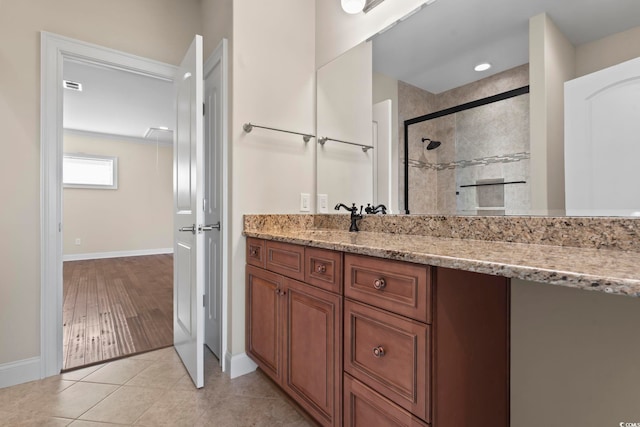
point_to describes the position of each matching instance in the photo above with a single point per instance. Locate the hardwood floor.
(116, 307)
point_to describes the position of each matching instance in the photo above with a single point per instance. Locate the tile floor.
(150, 389)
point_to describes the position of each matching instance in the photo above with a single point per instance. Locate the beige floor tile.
(14, 399)
(71, 402)
(151, 355)
(249, 411)
(79, 374)
(31, 420)
(118, 372)
(83, 423)
(124, 406)
(160, 374)
(179, 408)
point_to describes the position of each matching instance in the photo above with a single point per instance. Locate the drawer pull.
(379, 284)
(378, 351)
(321, 268)
(253, 252)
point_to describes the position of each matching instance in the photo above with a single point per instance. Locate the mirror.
(424, 65)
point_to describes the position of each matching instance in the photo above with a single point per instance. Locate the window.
(89, 171)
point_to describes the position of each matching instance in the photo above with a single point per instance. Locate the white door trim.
(54, 49)
(221, 55)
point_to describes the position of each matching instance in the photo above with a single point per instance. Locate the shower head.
(432, 144)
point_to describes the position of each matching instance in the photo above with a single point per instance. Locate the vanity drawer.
(400, 287)
(286, 259)
(364, 407)
(255, 252)
(390, 354)
(323, 268)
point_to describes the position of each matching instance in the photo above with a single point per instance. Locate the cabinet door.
(312, 350)
(263, 317)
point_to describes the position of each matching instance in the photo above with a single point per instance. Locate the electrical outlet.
(305, 202)
(323, 203)
(78, 241)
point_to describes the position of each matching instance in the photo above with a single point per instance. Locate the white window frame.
(114, 171)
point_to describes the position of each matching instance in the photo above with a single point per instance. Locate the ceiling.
(437, 48)
(117, 102)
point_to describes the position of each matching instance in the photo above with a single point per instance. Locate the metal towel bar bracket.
(248, 127)
(365, 148)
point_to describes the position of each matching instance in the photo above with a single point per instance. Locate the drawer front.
(364, 407)
(323, 268)
(390, 354)
(286, 259)
(397, 286)
(255, 252)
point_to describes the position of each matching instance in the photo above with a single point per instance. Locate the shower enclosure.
(472, 159)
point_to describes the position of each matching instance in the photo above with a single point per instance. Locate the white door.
(213, 127)
(188, 279)
(602, 149)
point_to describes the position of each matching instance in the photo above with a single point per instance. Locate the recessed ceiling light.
(482, 67)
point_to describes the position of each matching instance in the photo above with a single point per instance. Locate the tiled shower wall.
(489, 142)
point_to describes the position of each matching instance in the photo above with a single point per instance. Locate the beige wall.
(158, 29)
(337, 32)
(552, 62)
(574, 357)
(136, 216)
(273, 85)
(608, 51)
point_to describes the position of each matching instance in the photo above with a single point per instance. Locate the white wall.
(157, 29)
(344, 112)
(137, 216)
(274, 85)
(574, 357)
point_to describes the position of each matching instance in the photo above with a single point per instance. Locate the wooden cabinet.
(294, 332)
(407, 345)
(424, 345)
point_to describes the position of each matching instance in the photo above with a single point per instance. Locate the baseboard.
(239, 364)
(19, 372)
(116, 254)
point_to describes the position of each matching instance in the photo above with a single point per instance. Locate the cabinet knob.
(378, 351)
(321, 268)
(253, 252)
(379, 284)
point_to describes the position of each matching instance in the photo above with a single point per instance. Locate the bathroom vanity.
(402, 323)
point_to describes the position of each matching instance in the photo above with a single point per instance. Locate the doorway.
(55, 50)
(117, 200)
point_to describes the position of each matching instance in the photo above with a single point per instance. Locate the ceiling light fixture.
(482, 67)
(352, 6)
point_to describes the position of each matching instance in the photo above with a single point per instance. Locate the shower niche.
(469, 159)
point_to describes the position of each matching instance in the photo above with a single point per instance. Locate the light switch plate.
(305, 202)
(323, 203)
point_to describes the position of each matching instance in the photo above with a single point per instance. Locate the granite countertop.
(606, 270)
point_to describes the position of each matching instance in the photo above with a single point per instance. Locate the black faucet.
(374, 210)
(355, 216)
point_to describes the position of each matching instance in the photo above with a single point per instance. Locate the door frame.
(54, 49)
